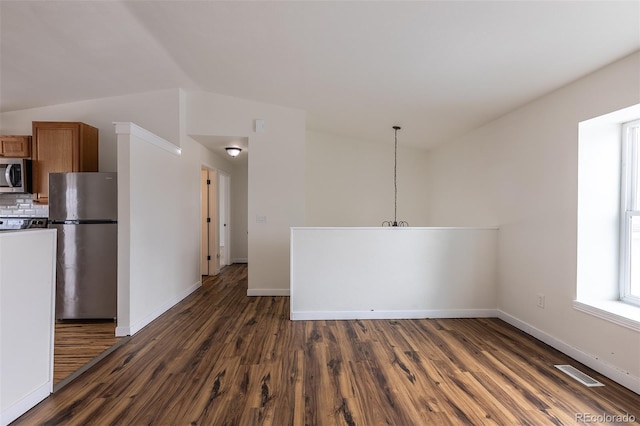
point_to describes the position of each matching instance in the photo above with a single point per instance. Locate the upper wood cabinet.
(15, 146)
(61, 147)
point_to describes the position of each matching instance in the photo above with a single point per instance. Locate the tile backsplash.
(21, 205)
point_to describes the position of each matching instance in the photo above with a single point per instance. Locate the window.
(603, 279)
(630, 214)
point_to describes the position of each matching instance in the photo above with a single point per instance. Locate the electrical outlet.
(541, 300)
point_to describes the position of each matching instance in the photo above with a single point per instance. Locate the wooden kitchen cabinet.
(61, 147)
(15, 146)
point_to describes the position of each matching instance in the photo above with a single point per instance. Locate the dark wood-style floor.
(221, 358)
(78, 343)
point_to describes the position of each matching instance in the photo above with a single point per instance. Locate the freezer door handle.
(81, 222)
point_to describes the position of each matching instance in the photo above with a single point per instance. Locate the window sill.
(613, 311)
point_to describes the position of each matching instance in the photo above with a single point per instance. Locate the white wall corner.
(25, 404)
(161, 310)
(123, 331)
(147, 136)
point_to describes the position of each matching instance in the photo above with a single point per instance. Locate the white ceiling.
(437, 68)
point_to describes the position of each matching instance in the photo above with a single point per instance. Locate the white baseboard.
(122, 331)
(133, 329)
(240, 260)
(418, 314)
(267, 292)
(621, 377)
(25, 404)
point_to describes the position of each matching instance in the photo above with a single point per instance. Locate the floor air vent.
(579, 375)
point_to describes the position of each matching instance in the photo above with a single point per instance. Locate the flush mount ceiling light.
(395, 222)
(233, 151)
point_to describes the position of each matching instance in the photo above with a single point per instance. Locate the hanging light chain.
(395, 184)
(395, 175)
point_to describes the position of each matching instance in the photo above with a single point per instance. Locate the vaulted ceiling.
(437, 68)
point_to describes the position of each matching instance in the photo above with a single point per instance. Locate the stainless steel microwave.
(15, 175)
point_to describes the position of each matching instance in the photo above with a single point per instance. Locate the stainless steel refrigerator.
(83, 207)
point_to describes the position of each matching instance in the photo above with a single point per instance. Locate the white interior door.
(209, 218)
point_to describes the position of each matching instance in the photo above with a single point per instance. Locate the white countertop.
(19, 231)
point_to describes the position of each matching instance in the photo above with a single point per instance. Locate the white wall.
(239, 214)
(276, 177)
(382, 273)
(152, 110)
(350, 182)
(159, 222)
(520, 172)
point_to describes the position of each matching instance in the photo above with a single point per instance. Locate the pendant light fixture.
(395, 185)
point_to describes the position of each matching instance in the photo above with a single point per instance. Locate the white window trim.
(614, 311)
(628, 209)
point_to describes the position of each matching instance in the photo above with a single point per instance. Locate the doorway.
(209, 218)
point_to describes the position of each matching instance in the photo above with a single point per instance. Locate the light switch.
(261, 126)
(261, 219)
